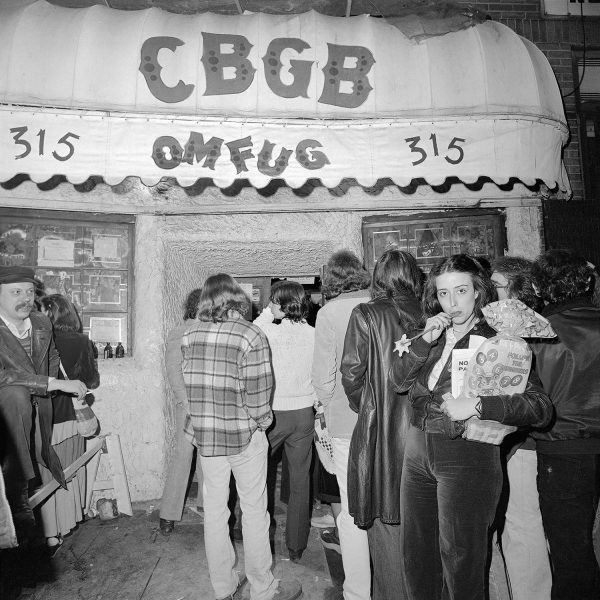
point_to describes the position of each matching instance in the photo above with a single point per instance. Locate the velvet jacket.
(411, 373)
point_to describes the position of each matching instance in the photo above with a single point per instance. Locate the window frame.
(28, 216)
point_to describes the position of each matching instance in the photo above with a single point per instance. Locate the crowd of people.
(425, 511)
(47, 366)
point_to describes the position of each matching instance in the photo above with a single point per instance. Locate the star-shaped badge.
(402, 345)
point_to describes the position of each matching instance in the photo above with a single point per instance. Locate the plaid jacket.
(228, 378)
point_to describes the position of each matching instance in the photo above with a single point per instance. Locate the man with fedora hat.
(28, 366)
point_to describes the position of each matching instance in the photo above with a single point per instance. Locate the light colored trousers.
(178, 472)
(249, 469)
(498, 582)
(353, 540)
(523, 540)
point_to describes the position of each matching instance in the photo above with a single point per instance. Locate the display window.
(83, 257)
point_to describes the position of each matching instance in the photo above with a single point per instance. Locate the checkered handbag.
(323, 440)
(488, 432)
(85, 417)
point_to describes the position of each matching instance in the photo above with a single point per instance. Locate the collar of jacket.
(481, 328)
(397, 297)
(355, 294)
(556, 307)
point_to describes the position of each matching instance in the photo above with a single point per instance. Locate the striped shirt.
(228, 378)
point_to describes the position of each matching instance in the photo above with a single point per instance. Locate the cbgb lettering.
(346, 83)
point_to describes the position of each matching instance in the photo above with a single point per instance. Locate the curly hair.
(561, 276)
(344, 273)
(190, 308)
(459, 263)
(517, 271)
(396, 272)
(292, 300)
(220, 294)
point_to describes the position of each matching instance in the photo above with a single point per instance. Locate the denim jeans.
(178, 472)
(249, 469)
(449, 493)
(353, 540)
(569, 485)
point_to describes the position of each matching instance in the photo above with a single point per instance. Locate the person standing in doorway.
(292, 344)
(178, 472)
(346, 283)
(229, 381)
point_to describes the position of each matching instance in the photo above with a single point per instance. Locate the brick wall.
(556, 37)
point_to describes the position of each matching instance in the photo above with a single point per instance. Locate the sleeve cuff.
(420, 347)
(492, 408)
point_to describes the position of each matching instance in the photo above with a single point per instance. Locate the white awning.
(97, 91)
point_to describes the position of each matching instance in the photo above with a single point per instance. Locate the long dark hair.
(459, 263)
(220, 294)
(62, 313)
(396, 272)
(292, 300)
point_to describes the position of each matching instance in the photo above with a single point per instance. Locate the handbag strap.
(62, 370)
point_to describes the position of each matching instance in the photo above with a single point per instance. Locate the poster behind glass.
(432, 237)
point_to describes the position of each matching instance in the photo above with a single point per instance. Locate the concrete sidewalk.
(128, 559)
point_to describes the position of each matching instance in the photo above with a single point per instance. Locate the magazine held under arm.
(500, 365)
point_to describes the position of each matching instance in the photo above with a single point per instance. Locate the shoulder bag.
(87, 421)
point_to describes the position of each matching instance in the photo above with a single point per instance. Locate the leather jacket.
(569, 369)
(16, 368)
(411, 372)
(378, 439)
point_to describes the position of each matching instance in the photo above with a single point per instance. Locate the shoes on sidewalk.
(53, 545)
(322, 520)
(330, 539)
(295, 555)
(166, 526)
(288, 590)
(238, 594)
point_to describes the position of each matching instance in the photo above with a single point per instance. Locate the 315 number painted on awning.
(458, 153)
(19, 132)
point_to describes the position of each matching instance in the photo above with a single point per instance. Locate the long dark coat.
(378, 440)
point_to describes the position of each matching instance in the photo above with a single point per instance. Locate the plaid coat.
(228, 378)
